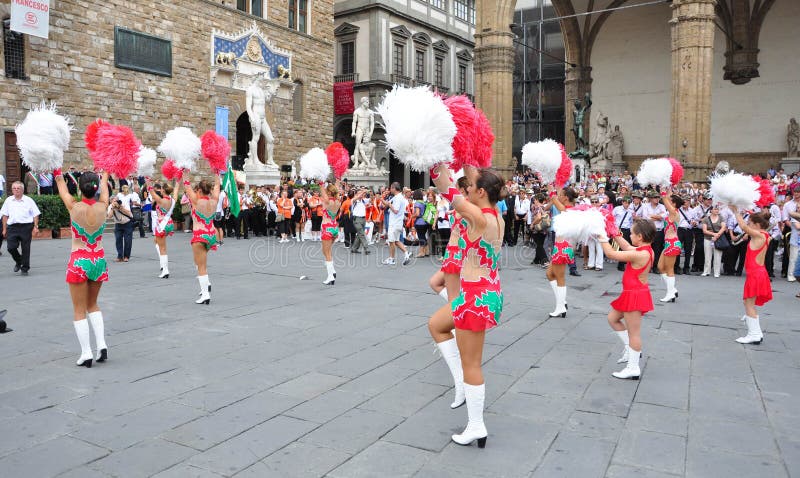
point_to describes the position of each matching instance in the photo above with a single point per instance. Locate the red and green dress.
(204, 231)
(330, 229)
(169, 226)
(87, 263)
(672, 245)
(479, 304)
(453, 254)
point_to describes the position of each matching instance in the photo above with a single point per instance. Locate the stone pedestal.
(261, 175)
(369, 177)
(580, 169)
(790, 165)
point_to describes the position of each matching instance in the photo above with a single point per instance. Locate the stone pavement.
(284, 377)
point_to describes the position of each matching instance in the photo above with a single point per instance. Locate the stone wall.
(75, 68)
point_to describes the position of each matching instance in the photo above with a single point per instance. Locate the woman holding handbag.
(715, 241)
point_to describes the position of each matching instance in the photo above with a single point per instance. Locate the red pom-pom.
(611, 225)
(565, 170)
(765, 190)
(338, 159)
(90, 138)
(677, 171)
(170, 171)
(216, 150)
(484, 139)
(116, 150)
(463, 113)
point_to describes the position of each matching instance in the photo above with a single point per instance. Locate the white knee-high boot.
(451, 356)
(331, 273)
(82, 331)
(631, 370)
(623, 336)
(164, 260)
(561, 302)
(443, 294)
(476, 430)
(754, 333)
(96, 320)
(205, 294)
(671, 292)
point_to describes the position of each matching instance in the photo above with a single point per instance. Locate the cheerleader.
(330, 230)
(480, 300)
(563, 254)
(635, 299)
(87, 268)
(203, 199)
(163, 203)
(757, 287)
(672, 245)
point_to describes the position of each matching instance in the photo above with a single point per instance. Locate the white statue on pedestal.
(363, 126)
(257, 99)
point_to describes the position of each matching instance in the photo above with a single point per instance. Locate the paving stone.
(143, 459)
(742, 438)
(353, 431)
(309, 385)
(575, 455)
(377, 380)
(327, 406)
(41, 395)
(243, 450)
(297, 460)
(623, 471)
(362, 362)
(383, 459)
(596, 425)
(609, 395)
(553, 383)
(186, 471)
(534, 407)
(636, 448)
(34, 428)
(665, 383)
(703, 463)
(404, 399)
(654, 418)
(50, 458)
(431, 427)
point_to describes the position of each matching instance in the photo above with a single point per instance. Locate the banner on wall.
(343, 98)
(31, 17)
(222, 121)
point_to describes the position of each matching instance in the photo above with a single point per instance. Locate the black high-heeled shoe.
(86, 363)
(103, 355)
(205, 302)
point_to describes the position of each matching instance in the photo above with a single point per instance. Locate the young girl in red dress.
(757, 287)
(635, 299)
(563, 254)
(203, 199)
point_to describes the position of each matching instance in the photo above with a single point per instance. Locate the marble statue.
(793, 138)
(257, 99)
(363, 126)
(294, 170)
(615, 146)
(598, 145)
(578, 112)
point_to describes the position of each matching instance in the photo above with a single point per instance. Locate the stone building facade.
(75, 67)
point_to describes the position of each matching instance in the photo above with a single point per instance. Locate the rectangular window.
(241, 5)
(13, 52)
(462, 78)
(440, 4)
(439, 71)
(142, 52)
(302, 16)
(348, 58)
(256, 8)
(399, 64)
(293, 14)
(419, 65)
(464, 10)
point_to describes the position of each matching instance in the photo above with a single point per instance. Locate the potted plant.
(54, 216)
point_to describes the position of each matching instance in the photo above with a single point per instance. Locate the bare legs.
(633, 346)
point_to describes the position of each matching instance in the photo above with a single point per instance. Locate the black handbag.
(723, 243)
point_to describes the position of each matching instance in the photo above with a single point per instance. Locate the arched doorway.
(243, 136)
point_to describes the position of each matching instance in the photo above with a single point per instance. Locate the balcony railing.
(346, 77)
(402, 80)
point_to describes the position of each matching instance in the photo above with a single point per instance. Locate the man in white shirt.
(623, 217)
(654, 211)
(794, 227)
(20, 217)
(359, 208)
(397, 206)
(522, 207)
(685, 235)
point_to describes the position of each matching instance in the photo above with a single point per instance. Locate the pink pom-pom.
(463, 113)
(484, 139)
(170, 171)
(116, 150)
(338, 159)
(677, 171)
(611, 225)
(90, 137)
(565, 170)
(767, 194)
(216, 150)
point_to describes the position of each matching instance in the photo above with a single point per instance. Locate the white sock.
(82, 331)
(96, 319)
(443, 294)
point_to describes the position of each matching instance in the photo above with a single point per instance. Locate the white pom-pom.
(145, 162)
(182, 146)
(655, 172)
(314, 165)
(419, 127)
(579, 225)
(735, 189)
(543, 157)
(42, 138)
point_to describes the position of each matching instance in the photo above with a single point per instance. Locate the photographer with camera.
(120, 211)
(359, 208)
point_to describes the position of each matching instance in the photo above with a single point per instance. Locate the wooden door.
(15, 170)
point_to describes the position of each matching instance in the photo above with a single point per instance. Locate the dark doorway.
(243, 136)
(342, 135)
(397, 171)
(15, 169)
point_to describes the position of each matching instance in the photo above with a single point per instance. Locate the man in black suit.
(511, 202)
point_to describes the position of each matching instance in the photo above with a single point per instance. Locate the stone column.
(692, 28)
(494, 68)
(578, 82)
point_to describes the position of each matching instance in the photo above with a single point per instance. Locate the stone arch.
(742, 26)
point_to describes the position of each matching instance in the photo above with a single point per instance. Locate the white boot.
(631, 370)
(164, 260)
(205, 294)
(476, 430)
(331, 273)
(754, 334)
(671, 292)
(96, 320)
(561, 303)
(443, 294)
(623, 336)
(450, 354)
(82, 331)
